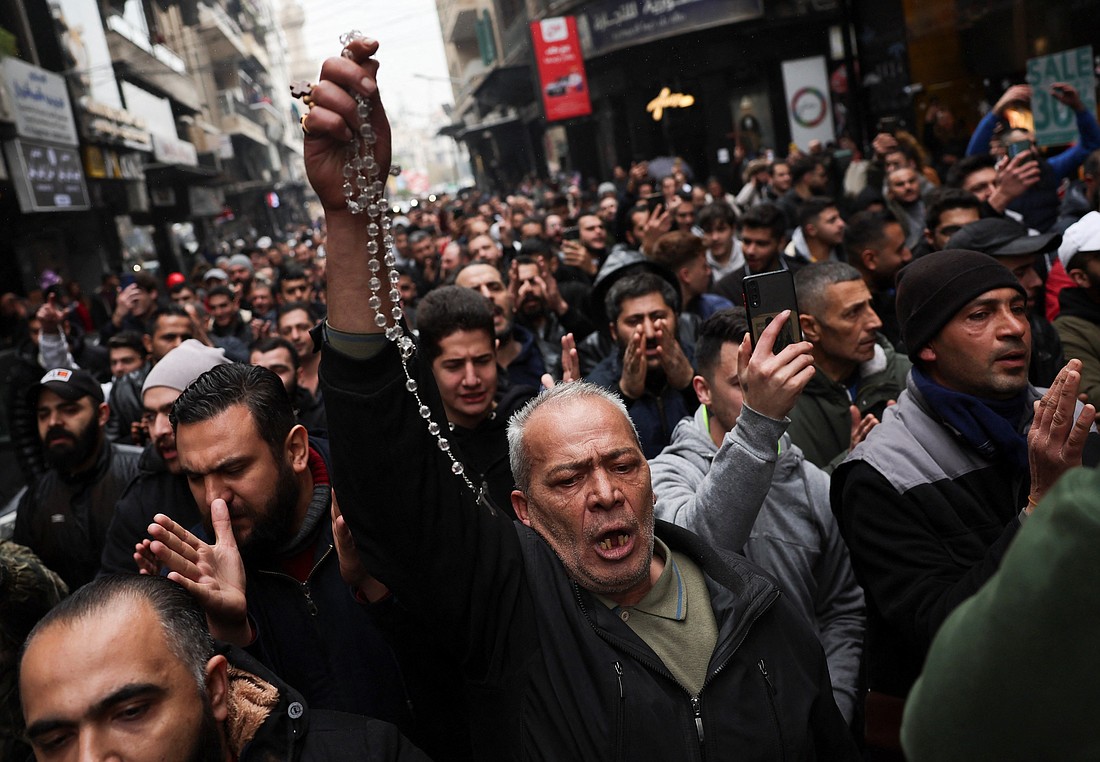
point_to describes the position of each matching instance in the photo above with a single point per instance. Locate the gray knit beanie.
(183, 365)
(936, 286)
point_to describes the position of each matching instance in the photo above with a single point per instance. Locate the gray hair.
(518, 456)
(811, 281)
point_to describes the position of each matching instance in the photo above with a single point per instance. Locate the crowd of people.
(543, 494)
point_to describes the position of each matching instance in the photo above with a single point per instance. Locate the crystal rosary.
(363, 193)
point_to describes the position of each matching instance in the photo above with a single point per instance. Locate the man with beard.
(295, 321)
(126, 669)
(903, 198)
(264, 569)
(543, 310)
(650, 370)
(761, 236)
(64, 516)
(517, 350)
(819, 234)
(160, 486)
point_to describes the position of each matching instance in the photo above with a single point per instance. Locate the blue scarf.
(990, 426)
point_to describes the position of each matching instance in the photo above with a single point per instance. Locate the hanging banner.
(562, 77)
(809, 111)
(1056, 124)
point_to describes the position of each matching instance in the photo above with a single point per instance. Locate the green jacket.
(1081, 340)
(821, 425)
(1012, 673)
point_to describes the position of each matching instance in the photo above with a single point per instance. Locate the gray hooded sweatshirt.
(770, 503)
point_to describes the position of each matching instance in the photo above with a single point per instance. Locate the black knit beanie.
(933, 288)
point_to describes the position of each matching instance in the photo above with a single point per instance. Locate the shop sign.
(169, 150)
(1056, 124)
(809, 109)
(105, 124)
(607, 25)
(48, 178)
(562, 78)
(107, 164)
(39, 103)
(667, 99)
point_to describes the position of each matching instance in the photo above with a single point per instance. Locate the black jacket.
(291, 731)
(927, 519)
(126, 405)
(154, 490)
(65, 521)
(552, 673)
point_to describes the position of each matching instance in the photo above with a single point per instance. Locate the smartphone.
(126, 280)
(655, 201)
(571, 234)
(767, 295)
(889, 125)
(1018, 147)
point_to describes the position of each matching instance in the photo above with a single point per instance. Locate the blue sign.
(608, 25)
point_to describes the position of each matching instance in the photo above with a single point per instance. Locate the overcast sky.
(411, 43)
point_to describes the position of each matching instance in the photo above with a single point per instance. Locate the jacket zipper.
(763, 667)
(620, 715)
(660, 669)
(304, 586)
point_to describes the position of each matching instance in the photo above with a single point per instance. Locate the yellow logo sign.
(668, 99)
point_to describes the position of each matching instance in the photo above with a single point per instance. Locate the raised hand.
(1014, 94)
(213, 574)
(1056, 441)
(632, 380)
(861, 427)
(677, 367)
(332, 121)
(772, 382)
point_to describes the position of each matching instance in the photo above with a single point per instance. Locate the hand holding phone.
(766, 296)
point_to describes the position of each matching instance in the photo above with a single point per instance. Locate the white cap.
(1083, 235)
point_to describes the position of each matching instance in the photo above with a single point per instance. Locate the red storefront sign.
(562, 79)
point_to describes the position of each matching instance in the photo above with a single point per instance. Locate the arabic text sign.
(48, 178)
(608, 25)
(562, 77)
(40, 100)
(1056, 124)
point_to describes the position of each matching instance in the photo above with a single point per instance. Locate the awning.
(488, 125)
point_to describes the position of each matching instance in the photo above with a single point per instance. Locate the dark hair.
(289, 272)
(534, 247)
(225, 291)
(304, 306)
(168, 310)
(803, 166)
(419, 235)
(639, 284)
(146, 281)
(271, 343)
(129, 340)
(726, 326)
(676, 249)
(472, 263)
(967, 166)
(223, 386)
(1092, 164)
(447, 309)
(717, 211)
(864, 231)
(940, 200)
(768, 216)
(776, 163)
(181, 617)
(180, 287)
(812, 208)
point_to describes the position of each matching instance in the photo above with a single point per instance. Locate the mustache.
(56, 433)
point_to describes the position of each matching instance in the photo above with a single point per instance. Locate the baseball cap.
(1083, 235)
(215, 273)
(999, 237)
(70, 384)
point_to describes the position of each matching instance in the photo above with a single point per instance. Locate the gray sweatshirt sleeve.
(721, 506)
(53, 351)
(838, 598)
